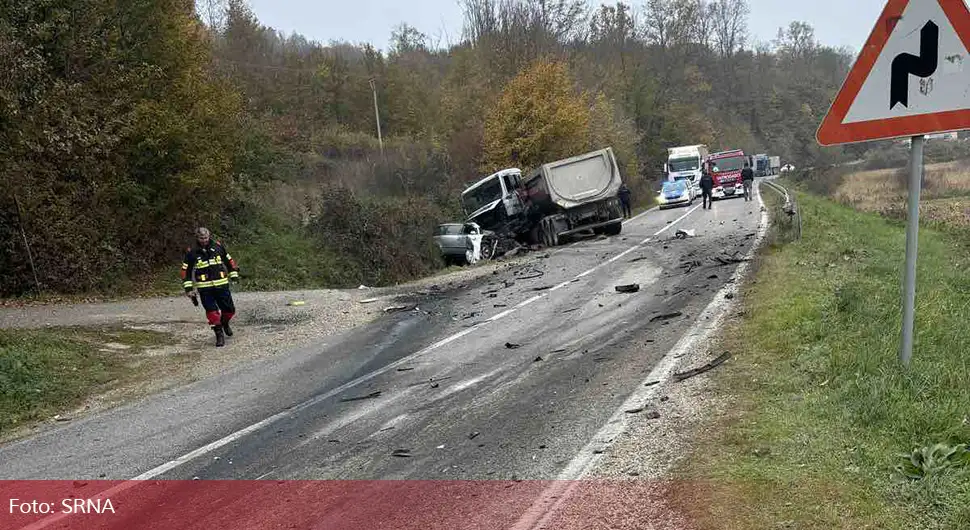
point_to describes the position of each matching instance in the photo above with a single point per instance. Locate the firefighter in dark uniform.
(208, 268)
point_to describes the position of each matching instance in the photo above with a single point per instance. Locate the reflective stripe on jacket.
(208, 268)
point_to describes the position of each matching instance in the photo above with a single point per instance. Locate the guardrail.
(790, 207)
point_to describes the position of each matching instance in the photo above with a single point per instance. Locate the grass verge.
(49, 372)
(821, 407)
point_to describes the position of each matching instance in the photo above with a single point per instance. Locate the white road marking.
(232, 437)
(542, 510)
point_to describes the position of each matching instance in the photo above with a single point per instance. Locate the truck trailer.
(552, 202)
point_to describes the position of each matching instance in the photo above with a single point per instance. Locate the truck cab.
(685, 163)
(494, 200)
(725, 167)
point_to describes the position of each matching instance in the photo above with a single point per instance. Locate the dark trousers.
(707, 198)
(218, 304)
(627, 212)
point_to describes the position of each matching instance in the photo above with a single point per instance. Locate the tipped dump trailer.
(553, 201)
(575, 194)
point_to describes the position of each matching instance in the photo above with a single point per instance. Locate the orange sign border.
(833, 132)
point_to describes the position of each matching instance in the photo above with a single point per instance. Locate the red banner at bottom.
(337, 505)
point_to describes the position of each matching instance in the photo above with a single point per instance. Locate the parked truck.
(774, 163)
(761, 165)
(684, 162)
(552, 202)
(725, 167)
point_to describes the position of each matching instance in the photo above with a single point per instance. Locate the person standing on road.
(707, 189)
(625, 196)
(747, 181)
(208, 268)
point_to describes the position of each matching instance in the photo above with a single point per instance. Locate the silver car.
(462, 243)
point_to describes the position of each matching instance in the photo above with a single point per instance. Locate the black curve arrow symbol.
(923, 65)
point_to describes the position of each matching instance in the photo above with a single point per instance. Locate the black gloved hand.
(195, 300)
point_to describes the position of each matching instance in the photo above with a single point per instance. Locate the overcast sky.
(836, 22)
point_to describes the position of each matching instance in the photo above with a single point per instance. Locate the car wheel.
(488, 247)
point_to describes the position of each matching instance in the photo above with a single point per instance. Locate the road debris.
(690, 265)
(537, 359)
(402, 453)
(405, 369)
(512, 345)
(538, 275)
(681, 376)
(571, 310)
(296, 303)
(369, 300)
(640, 258)
(653, 415)
(666, 316)
(399, 308)
(729, 296)
(684, 234)
(729, 260)
(631, 288)
(543, 288)
(474, 435)
(636, 410)
(560, 350)
(652, 383)
(372, 395)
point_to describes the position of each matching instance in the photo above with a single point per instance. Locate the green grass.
(274, 256)
(823, 407)
(48, 372)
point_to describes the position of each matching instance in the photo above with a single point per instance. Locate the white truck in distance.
(685, 162)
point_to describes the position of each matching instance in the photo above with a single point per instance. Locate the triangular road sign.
(912, 77)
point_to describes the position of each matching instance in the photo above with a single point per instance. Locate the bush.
(387, 240)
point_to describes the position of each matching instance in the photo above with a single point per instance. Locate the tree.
(729, 18)
(539, 117)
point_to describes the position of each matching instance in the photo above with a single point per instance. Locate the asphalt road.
(509, 378)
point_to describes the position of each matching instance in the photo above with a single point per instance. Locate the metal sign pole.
(912, 235)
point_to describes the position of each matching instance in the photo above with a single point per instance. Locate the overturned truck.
(554, 201)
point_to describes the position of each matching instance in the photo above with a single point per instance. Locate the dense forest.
(125, 123)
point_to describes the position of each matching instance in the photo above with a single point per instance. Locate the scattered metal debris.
(372, 395)
(405, 369)
(571, 310)
(543, 288)
(512, 346)
(631, 288)
(402, 453)
(681, 376)
(666, 316)
(684, 234)
(398, 308)
(474, 435)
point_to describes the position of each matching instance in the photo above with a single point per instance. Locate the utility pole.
(377, 114)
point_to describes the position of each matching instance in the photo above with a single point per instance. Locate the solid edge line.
(547, 505)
